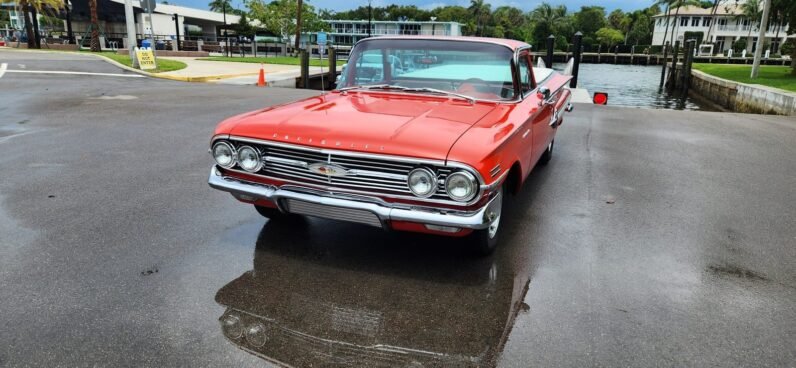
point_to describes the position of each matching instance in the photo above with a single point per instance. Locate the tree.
(95, 41)
(480, 11)
(750, 10)
(546, 19)
(589, 20)
(218, 5)
(29, 10)
(279, 17)
(609, 37)
(510, 22)
(641, 31)
(788, 10)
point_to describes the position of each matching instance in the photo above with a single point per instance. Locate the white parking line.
(74, 73)
(3, 67)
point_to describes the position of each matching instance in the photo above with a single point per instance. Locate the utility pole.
(433, 26)
(132, 40)
(761, 39)
(177, 27)
(370, 17)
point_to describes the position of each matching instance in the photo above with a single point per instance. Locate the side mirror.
(544, 93)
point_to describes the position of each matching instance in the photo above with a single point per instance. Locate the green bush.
(787, 48)
(739, 46)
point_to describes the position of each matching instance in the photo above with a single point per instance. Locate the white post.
(131, 38)
(761, 38)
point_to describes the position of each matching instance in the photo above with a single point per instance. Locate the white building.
(347, 32)
(721, 29)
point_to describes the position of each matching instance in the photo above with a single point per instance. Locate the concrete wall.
(739, 97)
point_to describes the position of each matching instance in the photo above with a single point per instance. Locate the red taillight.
(600, 98)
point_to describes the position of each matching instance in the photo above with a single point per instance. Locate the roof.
(512, 44)
(387, 21)
(723, 10)
(188, 12)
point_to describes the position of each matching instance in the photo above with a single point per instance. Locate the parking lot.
(653, 238)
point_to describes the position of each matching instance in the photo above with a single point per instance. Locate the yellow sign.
(146, 60)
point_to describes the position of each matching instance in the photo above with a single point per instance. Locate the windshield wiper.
(408, 89)
(441, 91)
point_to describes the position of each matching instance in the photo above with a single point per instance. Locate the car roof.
(512, 44)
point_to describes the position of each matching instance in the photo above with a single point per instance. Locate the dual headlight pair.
(461, 185)
(246, 156)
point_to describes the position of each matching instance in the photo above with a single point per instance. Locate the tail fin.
(540, 63)
(570, 67)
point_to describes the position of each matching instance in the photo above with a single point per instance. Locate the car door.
(535, 131)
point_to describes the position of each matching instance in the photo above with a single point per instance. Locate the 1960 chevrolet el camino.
(423, 134)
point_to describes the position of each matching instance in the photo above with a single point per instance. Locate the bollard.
(689, 59)
(332, 67)
(576, 48)
(663, 70)
(673, 73)
(551, 42)
(305, 69)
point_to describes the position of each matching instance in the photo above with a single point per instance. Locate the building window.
(684, 22)
(695, 22)
(410, 29)
(706, 22)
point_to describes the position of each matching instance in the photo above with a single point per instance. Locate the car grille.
(363, 173)
(333, 213)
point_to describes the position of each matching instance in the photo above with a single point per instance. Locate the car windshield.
(477, 70)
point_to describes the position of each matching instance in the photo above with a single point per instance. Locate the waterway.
(632, 86)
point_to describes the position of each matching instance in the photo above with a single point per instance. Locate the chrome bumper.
(477, 219)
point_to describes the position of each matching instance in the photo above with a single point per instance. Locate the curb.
(205, 78)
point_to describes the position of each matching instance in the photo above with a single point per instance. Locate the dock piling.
(576, 50)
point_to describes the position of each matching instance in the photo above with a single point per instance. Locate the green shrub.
(739, 46)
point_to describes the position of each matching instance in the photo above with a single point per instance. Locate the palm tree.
(679, 4)
(219, 5)
(751, 10)
(298, 23)
(95, 41)
(547, 17)
(478, 8)
(668, 4)
(29, 10)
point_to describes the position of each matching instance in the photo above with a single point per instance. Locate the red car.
(423, 134)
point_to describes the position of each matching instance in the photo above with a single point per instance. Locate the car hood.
(385, 123)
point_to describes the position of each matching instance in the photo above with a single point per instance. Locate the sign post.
(321, 39)
(149, 6)
(132, 39)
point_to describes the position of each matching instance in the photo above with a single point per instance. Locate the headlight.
(249, 159)
(230, 325)
(422, 182)
(256, 334)
(461, 186)
(224, 154)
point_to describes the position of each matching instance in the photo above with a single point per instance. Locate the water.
(631, 85)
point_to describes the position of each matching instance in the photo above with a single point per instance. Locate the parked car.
(431, 148)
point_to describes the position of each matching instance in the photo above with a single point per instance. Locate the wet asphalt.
(653, 238)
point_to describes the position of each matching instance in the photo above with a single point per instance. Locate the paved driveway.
(654, 238)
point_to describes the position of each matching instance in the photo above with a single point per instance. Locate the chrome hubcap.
(493, 226)
(495, 215)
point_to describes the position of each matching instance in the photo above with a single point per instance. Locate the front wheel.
(485, 241)
(548, 154)
(270, 212)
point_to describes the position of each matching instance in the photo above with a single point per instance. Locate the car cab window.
(526, 79)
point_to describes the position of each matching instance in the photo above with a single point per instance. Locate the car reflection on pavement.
(316, 297)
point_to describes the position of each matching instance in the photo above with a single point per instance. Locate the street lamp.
(370, 16)
(176, 19)
(433, 25)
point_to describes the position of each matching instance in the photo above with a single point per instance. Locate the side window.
(526, 80)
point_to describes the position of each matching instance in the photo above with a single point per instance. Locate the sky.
(527, 5)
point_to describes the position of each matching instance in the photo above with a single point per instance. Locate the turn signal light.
(600, 98)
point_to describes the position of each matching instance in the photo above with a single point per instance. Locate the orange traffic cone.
(261, 80)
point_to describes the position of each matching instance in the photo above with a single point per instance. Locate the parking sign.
(321, 38)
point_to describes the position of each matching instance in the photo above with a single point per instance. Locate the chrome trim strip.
(496, 170)
(477, 219)
(286, 161)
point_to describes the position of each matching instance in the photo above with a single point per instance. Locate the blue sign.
(321, 38)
